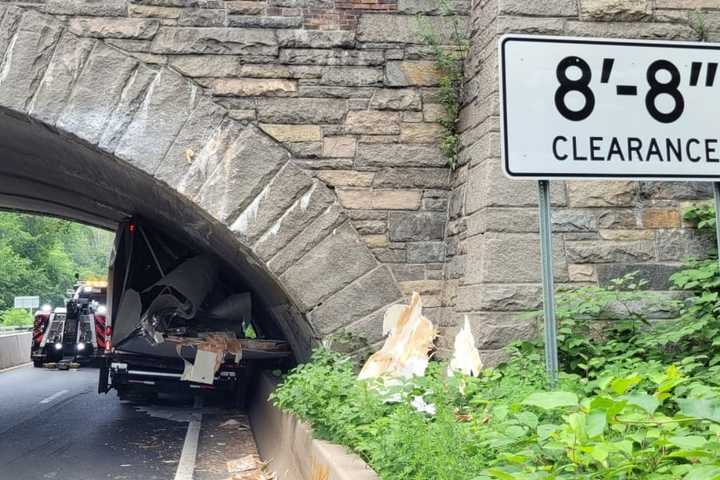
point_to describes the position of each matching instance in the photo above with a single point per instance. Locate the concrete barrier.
(290, 448)
(15, 349)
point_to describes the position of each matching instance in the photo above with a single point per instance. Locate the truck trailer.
(179, 322)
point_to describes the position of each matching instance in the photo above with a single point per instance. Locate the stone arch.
(91, 133)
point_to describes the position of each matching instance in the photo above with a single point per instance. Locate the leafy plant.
(637, 399)
(450, 62)
(696, 20)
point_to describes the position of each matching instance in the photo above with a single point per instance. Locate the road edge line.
(188, 456)
(15, 367)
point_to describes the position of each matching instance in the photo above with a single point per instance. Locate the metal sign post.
(716, 194)
(546, 256)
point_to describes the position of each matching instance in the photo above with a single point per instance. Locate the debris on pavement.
(406, 350)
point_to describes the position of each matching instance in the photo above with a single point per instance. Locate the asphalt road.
(54, 425)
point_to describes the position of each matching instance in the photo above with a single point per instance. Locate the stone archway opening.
(45, 172)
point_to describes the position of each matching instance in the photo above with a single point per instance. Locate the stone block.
(515, 258)
(281, 194)
(103, 8)
(245, 7)
(345, 178)
(88, 109)
(376, 240)
(610, 252)
(368, 294)
(396, 99)
(615, 10)
(368, 227)
(498, 297)
(656, 274)
(496, 330)
(407, 73)
(570, 220)
(168, 104)
(293, 133)
(315, 38)
(251, 87)
(676, 190)
(661, 218)
(301, 110)
(398, 155)
(489, 187)
(226, 41)
(421, 133)
(413, 178)
(195, 133)
(372, 122)
(245, 168)
(352, 76)
(27, 56)
(297, 217)
(405, 272)
(389, 28)
(339, 147)
(678, 245)
(643, 30)
(315, 276)
(264, 21)
(617, 218)
(432, 7)
(280, 257)
(433, 112)
(425, 252)
(137, 28)
(602, 194)
(62, 72)
(582, 273)
(312, 56)
(379, 199)
(626, 235)
(547, 8)
(416, 226)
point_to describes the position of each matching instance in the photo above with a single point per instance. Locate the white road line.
(54, 396)
(186, 466)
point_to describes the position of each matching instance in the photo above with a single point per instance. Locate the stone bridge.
(299, 140)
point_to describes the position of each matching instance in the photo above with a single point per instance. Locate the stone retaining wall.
(602, 230)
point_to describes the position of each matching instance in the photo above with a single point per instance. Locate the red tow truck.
(76, 333)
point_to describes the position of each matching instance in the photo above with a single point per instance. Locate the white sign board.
(593, 108)
(27, 302)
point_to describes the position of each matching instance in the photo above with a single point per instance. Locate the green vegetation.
(41, 255)
(637, 399)
(450, 62)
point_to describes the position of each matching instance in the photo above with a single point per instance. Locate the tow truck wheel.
(37, 363)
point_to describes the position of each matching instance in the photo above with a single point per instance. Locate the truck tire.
(37, 363)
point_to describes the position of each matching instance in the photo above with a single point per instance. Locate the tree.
(41, 255)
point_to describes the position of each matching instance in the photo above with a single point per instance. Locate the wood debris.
(406, 350)
(466, 357)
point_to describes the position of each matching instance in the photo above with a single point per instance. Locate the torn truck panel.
(236, 307)
(127, 316)
(192, 279)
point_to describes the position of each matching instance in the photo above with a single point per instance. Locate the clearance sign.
(595, 108)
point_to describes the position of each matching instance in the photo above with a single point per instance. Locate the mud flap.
(104, 380)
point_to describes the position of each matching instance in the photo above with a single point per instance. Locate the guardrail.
(15, 329)
(14, 349)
